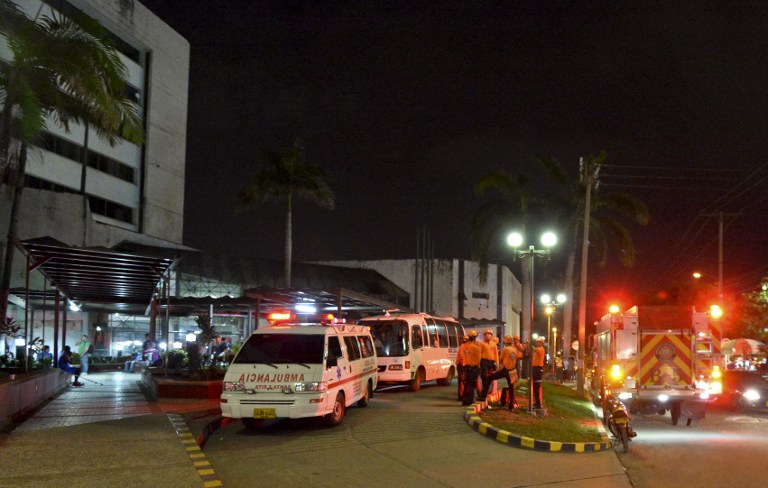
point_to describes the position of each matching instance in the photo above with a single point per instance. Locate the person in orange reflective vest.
(507, 369)
(488, 360)
(537, 364)
(469, 356)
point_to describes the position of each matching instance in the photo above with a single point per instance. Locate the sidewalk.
(108, 434)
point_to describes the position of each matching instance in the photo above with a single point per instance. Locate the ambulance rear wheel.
(250, 423)
(363, 402)
(337, 414)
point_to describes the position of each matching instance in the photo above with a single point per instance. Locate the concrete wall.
(27, 392)
(503, 302)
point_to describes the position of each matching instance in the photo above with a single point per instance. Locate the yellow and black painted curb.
(471, 415)
(194, 451)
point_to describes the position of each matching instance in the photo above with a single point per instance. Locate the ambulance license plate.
(263, 413)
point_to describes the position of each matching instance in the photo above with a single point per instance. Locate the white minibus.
(295, 371)
(415, 347)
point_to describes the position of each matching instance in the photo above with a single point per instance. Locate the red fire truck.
(658, 358)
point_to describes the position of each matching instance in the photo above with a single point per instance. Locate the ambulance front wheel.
(337, 414)
(448, 378)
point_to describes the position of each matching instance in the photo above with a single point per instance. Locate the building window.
(98, 161)
(111, 209)
(482, 296)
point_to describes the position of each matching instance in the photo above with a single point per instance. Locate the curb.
(471, 415)
(193, 449)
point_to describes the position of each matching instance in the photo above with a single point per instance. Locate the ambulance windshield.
(390, 337)
(282, 349)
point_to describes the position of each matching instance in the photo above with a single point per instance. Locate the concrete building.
(453, 287)
(84, 192)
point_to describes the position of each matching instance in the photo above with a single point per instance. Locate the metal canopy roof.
(123, 278)
(267, 298)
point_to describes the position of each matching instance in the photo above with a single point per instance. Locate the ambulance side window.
(334, 352)
(453, 335)
(352, 350)
(366, 346)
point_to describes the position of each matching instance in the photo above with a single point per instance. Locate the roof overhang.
(100, 279)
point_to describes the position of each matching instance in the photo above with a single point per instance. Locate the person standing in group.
(520, 350)
(469, 356)
(537, 363)
(489, 357)
(45, 354)
(566, 369)
(84, 349)
(507, 369)
(460, 370)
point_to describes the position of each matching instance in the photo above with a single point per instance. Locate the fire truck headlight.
(752, 395)
(715, 388)
(663, 398)
(704, 395)
(233, 386)
(616, 372)
(310, 387)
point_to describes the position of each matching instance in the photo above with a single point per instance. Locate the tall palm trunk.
(18, 187)
(570, 268)
(288, 242)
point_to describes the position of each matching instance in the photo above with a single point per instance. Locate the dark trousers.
(501, 373)
(487, 367)
(470, 381)
(538, 374)
(462, 374)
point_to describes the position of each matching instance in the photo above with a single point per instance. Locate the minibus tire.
(363, 402)
(418, 378)
(447, 380)
(337, 414)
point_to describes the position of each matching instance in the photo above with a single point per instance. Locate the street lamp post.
(549, 309)
(515, 240)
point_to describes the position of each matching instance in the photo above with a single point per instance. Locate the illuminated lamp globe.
(549, 239)
(515, 239)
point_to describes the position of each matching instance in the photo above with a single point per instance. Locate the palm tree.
(565, 203)
(62, 69)
(288, 175)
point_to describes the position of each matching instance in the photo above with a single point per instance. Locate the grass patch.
(568, 418)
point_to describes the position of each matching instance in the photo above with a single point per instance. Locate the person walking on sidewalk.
(537, 364)
(65, 364)
(469, 352)
(507, 369)
(84, 349)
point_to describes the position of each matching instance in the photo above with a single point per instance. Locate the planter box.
(169, 387)
(27, 392)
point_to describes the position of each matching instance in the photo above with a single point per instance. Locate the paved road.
(724, 449)
(402, 439)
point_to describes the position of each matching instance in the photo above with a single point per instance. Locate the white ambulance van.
(295, 371)
(415, 347)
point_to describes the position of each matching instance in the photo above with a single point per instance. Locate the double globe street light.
(515, 241)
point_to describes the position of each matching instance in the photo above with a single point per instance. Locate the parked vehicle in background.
(658, 358)
(297, 370)
(744, 389)
(415, 347)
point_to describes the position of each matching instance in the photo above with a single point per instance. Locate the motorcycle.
(618, 421)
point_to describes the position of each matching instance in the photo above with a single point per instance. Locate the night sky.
(407, 104)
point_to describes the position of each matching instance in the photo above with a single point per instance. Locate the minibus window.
(453, 334)
(442, 333)
(433, 341)
(281, 348)
(416, 337)
(389, 337)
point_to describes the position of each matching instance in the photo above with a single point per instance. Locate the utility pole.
(589, 172)
(720, 216)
